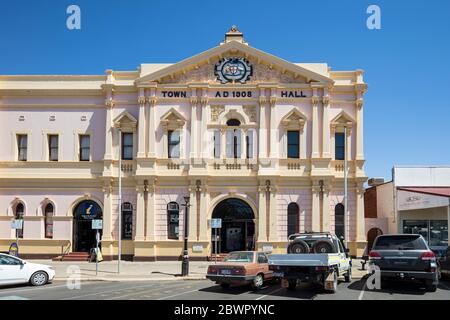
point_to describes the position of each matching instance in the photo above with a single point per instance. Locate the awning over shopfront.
(435, 191)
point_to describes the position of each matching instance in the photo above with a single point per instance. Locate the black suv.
(405, 257)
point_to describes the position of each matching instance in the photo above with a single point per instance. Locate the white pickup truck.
(312, 257)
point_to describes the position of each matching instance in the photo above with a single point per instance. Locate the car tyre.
(335, 284)
(430, 286)
(348, 275)
(39, 278)
(225, 285)
(258, 282)
(298, 246)
(292, 285)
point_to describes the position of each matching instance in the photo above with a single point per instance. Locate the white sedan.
(15, 271)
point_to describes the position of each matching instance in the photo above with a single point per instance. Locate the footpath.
(142, 271)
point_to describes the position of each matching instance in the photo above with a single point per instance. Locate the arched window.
(173, 216)
(339, 220)
(233, 139)
(48, 220)
(18, 214)
(127, 221)
(293, 218)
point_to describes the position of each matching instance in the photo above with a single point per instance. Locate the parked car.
(405, 257)
(444, 263)
(14, 270)
(241, 267)
(315, 257)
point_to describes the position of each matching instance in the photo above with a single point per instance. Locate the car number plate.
(225, 272)
(278, 274)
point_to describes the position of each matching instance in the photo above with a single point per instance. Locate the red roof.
(435, 191)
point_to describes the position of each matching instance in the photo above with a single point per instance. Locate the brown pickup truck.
(241, 267)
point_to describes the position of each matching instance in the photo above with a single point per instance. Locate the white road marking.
(175, 295)
(32, 289)
(361, 295)
(151, 290)
(13, 298)
(274, 291)
(103, 292)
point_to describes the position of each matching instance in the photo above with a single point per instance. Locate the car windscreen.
(413, 242)
(239, 257)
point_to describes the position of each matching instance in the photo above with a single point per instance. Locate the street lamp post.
(185, 262)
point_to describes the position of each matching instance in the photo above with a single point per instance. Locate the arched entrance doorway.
(371, 236)
(238, 226)
(83, 234)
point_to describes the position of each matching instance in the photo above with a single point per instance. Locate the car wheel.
(39, 278)
(348, 275)
(258, 282)
(292, 284)
(225, 285)
(430, 286)
(333, 289)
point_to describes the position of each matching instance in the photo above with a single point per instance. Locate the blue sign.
(216, 223)
(14, 249)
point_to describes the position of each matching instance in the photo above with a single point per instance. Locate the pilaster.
(141, 124)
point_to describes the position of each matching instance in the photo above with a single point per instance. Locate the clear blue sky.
(407, 65)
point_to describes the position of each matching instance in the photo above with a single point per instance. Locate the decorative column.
(206, 142)
(315, 125)
(273, 234)
(360, 219)
(193, 141)
(150, 226)
(140, 214)
(315, 210)
(141, 124)
(107, 211)
(359, 127)
(273, 132)
(193, 212)
(262, 140)
(152, 99)
(201, 129)
(243, 144)
(204, 201)
(326, 216)
(223, 143)
(109, 103)
(262, 212)
(326, 125)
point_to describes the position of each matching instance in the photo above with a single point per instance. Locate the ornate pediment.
(294, 120)
(264, 67)
(125, 120)
(342, 120)
(173, 119)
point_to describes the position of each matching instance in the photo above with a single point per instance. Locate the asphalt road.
(207, 290)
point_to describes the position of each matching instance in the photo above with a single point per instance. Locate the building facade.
(416, 200)
(251, 138)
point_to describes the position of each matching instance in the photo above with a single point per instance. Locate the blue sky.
(407, 109)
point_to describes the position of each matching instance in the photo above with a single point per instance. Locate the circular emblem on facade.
(233, 70)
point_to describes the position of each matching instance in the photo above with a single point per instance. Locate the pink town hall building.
(252, 139)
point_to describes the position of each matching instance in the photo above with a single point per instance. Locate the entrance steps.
(220, 257)
(73, 256)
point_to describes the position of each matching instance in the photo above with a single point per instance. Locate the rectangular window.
(85, 147)
(435, 232)
(249, 145)
(53, 145)
(22, 146)
(339, 142)
(293, 144)
(174, 144)
(217, 144)
(127, 146)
